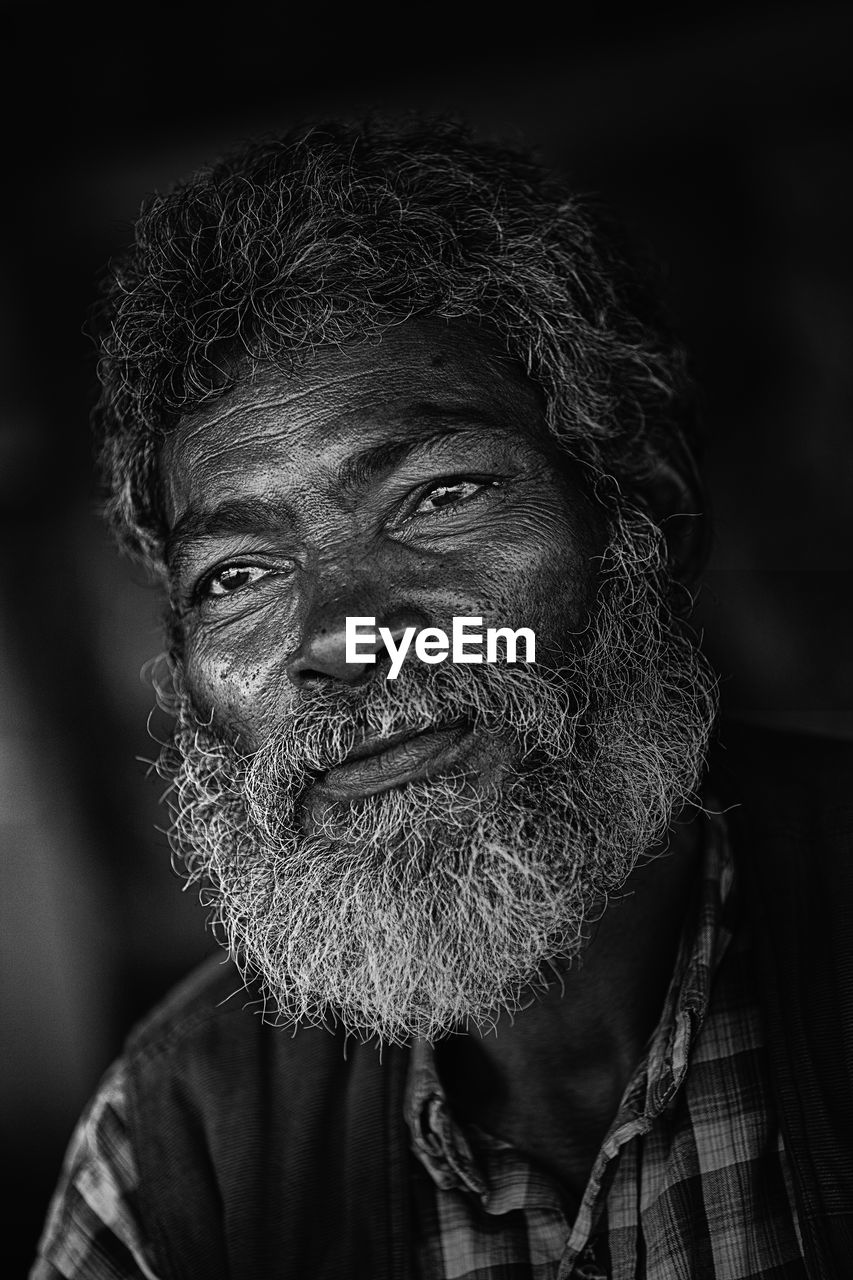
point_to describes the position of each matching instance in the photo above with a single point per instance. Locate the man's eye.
(225, 582)
(451, 494)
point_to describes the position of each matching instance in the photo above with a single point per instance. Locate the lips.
(383, 763)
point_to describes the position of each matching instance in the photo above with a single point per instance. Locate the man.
(530, 990)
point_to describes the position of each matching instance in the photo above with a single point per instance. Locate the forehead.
(421, 378)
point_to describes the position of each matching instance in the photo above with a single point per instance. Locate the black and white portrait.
(427, 717)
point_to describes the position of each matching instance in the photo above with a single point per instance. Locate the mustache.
(325, 725)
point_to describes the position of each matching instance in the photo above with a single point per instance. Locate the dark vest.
(266, 1154)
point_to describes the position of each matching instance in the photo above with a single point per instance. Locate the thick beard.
(434, 906)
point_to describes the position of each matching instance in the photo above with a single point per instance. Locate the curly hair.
(334, 232)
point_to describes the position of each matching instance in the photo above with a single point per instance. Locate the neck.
(550, 1078)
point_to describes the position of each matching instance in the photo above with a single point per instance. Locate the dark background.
(722, 136)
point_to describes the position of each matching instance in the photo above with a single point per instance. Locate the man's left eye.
(452, 493)
(230, 579)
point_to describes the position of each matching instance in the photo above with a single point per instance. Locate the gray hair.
(334, 233)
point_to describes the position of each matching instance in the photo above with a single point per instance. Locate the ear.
(675, 498)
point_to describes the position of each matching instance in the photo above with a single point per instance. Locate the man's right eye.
(227, 581)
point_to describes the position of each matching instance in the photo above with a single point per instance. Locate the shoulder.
(92, 1227)
(210, 994)
(240, 1112)
(214, 1028)
(214, 1044)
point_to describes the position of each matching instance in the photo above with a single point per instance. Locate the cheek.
(544, 575)
(235, 677)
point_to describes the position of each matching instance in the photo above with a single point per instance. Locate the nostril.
(309, 675)
(322, 655)
(304, 675)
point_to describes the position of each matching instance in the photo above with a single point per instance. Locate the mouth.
(382, 763)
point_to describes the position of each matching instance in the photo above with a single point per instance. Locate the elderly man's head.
(397, 374)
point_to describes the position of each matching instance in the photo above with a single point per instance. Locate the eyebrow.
(234, 515)
(428, 423)
(255, 514)
(377, 460)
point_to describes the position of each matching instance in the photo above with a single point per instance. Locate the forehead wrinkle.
(384, 405)
(415, 422)
(243, 397)
(379, 384)
(205, 420)
(318, 382)
(419, 429)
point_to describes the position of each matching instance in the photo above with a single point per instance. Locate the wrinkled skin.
(518, 550)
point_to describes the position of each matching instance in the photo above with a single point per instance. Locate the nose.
(321, 656)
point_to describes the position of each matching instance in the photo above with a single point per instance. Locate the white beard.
(433, 906)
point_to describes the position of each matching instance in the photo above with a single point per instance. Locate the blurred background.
(722, 136)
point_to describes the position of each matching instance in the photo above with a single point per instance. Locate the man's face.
(408, 481)
(404, 855)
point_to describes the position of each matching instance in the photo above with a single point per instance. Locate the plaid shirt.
(692, 1179)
